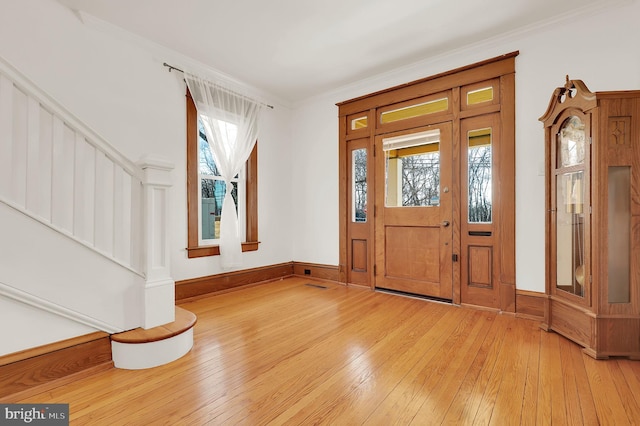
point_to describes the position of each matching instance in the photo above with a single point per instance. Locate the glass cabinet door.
(570, 247)
(571, 225)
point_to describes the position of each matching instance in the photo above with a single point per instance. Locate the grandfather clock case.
(592, 155)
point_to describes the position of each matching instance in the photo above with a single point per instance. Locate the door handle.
(445, 223)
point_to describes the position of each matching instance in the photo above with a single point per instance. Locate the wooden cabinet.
(592, 154)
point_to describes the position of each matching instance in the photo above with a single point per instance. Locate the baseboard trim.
(45, 387)
(530, 304)
(35, 370)
(229, 281)
(187, 289)
(316, 270)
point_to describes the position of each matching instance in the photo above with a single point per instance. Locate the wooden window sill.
(203, 251)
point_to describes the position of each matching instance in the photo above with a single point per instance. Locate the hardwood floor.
(290, 353)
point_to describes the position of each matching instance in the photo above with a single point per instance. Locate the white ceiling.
(295, 49)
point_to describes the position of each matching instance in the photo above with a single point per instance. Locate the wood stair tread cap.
(184, 320)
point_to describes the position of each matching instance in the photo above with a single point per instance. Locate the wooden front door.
(413, 219)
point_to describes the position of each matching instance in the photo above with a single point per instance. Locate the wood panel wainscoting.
(294, 353)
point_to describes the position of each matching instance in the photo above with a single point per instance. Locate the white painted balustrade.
(59, 172)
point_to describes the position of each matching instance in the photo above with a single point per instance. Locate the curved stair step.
(146, 348)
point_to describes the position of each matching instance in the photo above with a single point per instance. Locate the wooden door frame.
(502, 69)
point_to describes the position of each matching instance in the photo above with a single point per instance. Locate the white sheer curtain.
(231, 125)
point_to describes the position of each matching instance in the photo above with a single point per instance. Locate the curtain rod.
(171, 68)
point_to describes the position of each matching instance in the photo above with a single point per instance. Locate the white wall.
(42, 327)
(315, 183)
(599, 49)
(121, 90)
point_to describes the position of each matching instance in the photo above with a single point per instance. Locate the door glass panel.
(571, 142)
(359, 185)
(425, 108)
(570, 244)
(412, 172)
(619, 234)
(481, 95)
(480, 175)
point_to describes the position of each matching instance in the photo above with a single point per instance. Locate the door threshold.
(414, 295)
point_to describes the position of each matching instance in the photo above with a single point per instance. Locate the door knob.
(445, 223)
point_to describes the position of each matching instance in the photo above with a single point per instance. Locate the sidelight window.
(480, 175)
(359, 185)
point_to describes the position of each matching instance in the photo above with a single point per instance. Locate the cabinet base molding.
(601, 336)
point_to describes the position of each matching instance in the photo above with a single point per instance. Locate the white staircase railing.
(61, 173)
(58, 171)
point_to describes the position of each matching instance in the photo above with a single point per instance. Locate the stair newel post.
(159, 291)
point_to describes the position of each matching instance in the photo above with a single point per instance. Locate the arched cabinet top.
(574, 94)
